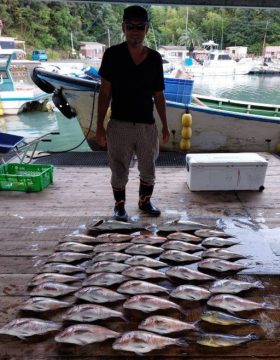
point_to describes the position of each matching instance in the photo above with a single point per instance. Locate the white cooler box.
(225, 171)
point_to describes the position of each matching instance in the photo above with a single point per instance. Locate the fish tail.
(182, 342)
(182, 310)
(253, 321)
(258, 284)
(268, 305)
(253, 336)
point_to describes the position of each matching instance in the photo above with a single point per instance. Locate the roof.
(172, 47)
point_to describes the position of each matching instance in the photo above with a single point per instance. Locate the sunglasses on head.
(140, 27)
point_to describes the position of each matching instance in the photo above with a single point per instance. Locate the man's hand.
(165, 135)
(101, 138)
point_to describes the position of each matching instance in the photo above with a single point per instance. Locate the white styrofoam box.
(225, 171)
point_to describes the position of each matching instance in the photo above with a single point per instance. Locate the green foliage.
(49, 25)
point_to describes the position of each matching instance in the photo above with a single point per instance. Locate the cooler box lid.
(225, 159)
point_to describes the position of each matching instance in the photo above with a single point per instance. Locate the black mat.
(171, 159)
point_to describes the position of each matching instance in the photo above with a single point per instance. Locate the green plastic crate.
(25, 177)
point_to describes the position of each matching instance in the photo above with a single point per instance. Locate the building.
(272, 52)
(91, 49)
(174, 54)
(237, 52)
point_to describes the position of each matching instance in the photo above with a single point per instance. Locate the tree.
(191, 37)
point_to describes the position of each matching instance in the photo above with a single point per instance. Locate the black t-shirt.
(132, 85)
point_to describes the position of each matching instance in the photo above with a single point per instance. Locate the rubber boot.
(120, 213)
(145, 204)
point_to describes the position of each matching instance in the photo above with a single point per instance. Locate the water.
(255, 88)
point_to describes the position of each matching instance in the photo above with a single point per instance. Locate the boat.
(205, 124)
(15, 96)
(215, 62)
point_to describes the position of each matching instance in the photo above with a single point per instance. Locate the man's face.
(135, 31)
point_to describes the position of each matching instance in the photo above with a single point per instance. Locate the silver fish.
(91, 312)
(234, 304)
(179, 256)
(222, 254)
(221, 340)
(219, 242)
(83, 334)
(181, 225)
(211, 232)
(140, 287)
(25, 327)
(111, 256)
(106, 266)
(113, 237)
(142, 260)
(142, 249)
(183, 272)
(143, 272)
(181, 236)
(53, 289)
(150, 303)
(61, 268)
(104, 279)
(46, 277)
(67, 257)
(221, 318)
(79, 238)
(141, 342)
(190, 292)
(165, 325)
(73, 246)
(181, 246)
(98, 294)
(148, 239)
(221, 265)
(113, 225)
(100, 248)
(231, 286)
(41, 304)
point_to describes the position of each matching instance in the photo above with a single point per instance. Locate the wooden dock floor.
(31, 224)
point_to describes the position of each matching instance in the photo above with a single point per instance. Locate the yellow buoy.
(278, 148)
(185, 144)
(186, 132)
(1, 108)
(186, 120)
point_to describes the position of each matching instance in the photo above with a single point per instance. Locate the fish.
(140, 287)
(98, 295)
(221, 265)
(83, 334)
(165, 325)
(231, 286)
(181, 246)
(61, 268)
(79, 238)
(219, 242)
(25, 327)
(222, 254)
(41, 304)
(111, 256)
(53, 289)
(113, 237)
(148, 239)
(73, 246)
(150, 303)
(222, 340)
(179, 256)
(205, 233)
(142, 342)
(233, 303)
(56, 277)
(190, 292)
(67, 257)
(183, 272)
(181, 226)
(221, 318)
(143, 249)
(91, 312)
(106, 266)
(181, 236)
(114, 225)
(100, 248)
(142, 260)
(104, 279)
(143, 272)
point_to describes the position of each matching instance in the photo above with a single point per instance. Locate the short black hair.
(135, 12)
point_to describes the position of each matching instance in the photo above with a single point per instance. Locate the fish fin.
(124, 318)
(182, 342)
(183, 311)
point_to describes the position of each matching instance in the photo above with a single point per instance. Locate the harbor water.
(255, 88)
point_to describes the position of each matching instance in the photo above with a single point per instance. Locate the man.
(132, 80)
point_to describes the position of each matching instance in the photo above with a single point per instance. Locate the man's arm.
(159, 99)
(104, 99)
